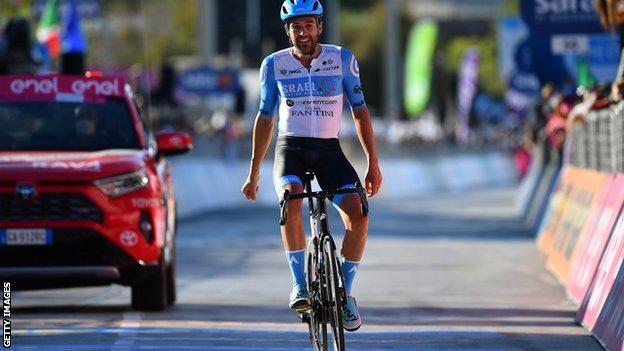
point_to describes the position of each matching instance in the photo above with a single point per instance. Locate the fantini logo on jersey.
(312, 112)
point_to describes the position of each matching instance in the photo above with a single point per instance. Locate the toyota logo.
(25, 192)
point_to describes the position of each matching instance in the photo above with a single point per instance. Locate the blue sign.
(601, 54)
(207, 80)
(561, 16)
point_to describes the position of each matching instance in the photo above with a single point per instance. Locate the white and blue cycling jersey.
(310, 101)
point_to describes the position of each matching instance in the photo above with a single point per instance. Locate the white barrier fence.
(210, 184)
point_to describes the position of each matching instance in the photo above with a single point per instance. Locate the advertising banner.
(559, 17)
(610, 325)
(466, 90)
(561, 203)
(595, 313)
(593, 241)
(208, 80)
(586, 196)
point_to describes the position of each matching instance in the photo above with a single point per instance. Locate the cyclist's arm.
(361, 117)
(262, 131)
(263, 127)
(364, 129)
(264, 120)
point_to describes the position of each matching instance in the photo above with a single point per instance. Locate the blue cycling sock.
(349, 268)
(296, 261)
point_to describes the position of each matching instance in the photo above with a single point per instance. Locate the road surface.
(457, 272)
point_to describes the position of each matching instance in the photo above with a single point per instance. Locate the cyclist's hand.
(250, 188)
(373, 178)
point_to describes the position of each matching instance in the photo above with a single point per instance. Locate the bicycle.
(324, 278)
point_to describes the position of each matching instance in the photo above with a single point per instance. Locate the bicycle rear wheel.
(317, 326)
(333, 293)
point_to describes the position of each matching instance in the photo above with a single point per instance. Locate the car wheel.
(150, 294)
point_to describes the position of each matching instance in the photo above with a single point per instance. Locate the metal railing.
(598, 143)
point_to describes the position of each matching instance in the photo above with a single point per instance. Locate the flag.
(73, 39)
(48, 31)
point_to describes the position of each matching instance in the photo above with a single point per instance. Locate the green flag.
(418, 66)
(585, 77)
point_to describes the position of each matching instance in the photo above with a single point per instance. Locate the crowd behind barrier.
(574, 199)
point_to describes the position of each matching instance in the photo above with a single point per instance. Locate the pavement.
(452, 272)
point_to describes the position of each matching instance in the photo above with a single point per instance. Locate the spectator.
(16, 52)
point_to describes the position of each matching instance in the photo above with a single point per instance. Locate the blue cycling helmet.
(295, 8)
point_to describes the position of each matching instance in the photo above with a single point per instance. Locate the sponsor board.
(604, 277)
(610, 325)
(560, 204)
(593, 241)
(561, 16)
(587, 194)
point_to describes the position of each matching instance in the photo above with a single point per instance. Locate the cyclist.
(307, 82)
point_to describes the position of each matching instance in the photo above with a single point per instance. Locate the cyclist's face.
(304, 33)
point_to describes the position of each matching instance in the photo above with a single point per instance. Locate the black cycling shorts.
(324, 157)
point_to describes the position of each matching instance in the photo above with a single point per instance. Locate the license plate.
(25, 237)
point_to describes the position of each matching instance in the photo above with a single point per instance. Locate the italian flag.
(49, 29)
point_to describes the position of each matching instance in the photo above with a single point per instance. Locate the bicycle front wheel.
(333, 293)
(317, 326)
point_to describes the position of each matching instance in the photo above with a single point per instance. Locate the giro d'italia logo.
(355, 69)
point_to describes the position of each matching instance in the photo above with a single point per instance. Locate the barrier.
(208, 184)
(560, 203)
(587, 195)
(545, 187)
(527, 189)
(594, 238)
(610, 325)
(582, 231)
(599, 309)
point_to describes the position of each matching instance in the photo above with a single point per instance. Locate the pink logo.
(35, 86)
(54, 85)
(97, 88)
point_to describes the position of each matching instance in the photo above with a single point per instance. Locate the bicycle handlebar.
(323, 194)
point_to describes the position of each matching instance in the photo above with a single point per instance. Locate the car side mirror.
(173, 143)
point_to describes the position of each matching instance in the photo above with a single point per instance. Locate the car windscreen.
(66, 126)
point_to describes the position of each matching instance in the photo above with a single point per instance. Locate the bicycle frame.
(324, 309)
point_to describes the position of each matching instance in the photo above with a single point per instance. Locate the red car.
(86, 192)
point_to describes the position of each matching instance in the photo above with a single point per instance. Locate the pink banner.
(610, 325)
(594, 238)
(604, 282)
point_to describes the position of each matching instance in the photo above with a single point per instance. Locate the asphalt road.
(451, 273)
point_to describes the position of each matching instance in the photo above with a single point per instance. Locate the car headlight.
(123, 184)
